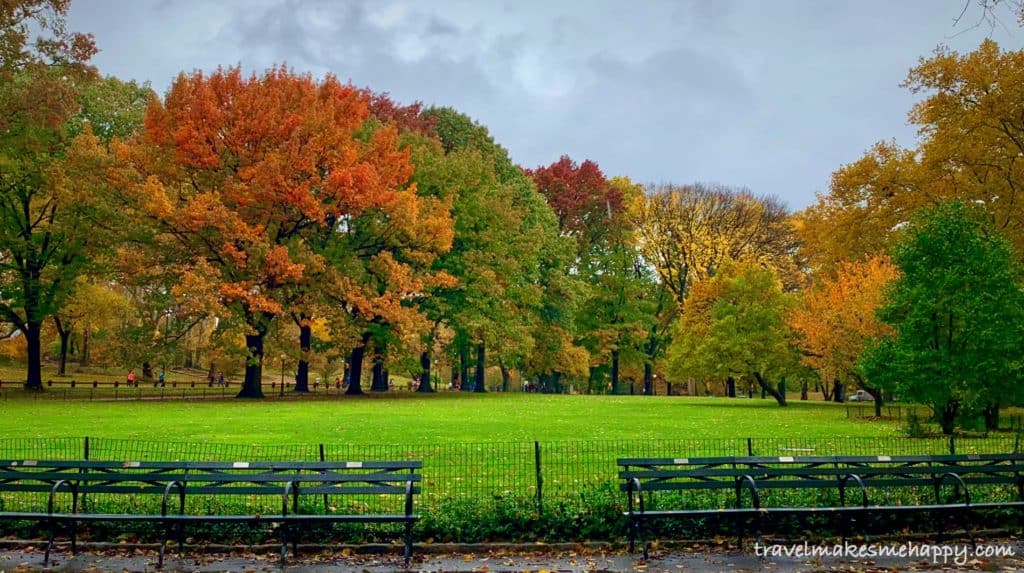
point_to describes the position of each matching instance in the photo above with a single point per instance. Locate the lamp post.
(282, 376)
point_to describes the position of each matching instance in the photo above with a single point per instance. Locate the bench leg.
(741, 523)
(632, 534)
(966, 515)
(408, 543)
(49, 543)
(641, 537)
(163, 545)
(53, 536)
(284, 542)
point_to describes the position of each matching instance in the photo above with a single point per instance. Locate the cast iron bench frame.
(288, 480)
(755, 474)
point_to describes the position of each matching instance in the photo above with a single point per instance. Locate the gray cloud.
(771, 96)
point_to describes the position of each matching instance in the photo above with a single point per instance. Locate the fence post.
(952, 444)
(323, 458)
(750, 447)
(83, 470)
(540, 478)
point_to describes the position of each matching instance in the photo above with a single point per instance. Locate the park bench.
(866, 476)
(171, 484)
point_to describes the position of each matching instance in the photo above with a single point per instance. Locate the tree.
(234, 173)
(501, 230)
(689, 232)
(971, 128)
(734, 326)
(592, 213)
(958, 315)
(44, 238)
(836, 320)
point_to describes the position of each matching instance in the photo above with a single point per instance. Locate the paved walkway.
(26, 559)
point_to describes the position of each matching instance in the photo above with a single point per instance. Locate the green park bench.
(172, 483)
(859, 475)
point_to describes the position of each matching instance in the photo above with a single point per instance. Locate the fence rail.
(93, 390)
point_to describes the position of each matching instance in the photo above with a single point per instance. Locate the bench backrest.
(234, 478)
(662, 474)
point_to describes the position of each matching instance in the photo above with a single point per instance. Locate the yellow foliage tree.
(971, 126)
(836, 320)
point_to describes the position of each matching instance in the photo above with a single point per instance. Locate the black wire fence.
(474, 491)
(481, 471)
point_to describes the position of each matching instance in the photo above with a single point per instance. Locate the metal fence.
(544, 471)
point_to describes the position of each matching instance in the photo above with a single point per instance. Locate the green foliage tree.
(958, 313)
(502, 230)
(734, 325)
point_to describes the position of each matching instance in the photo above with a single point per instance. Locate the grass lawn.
(440, 418)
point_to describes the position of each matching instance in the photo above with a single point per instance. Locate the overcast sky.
(772, 95)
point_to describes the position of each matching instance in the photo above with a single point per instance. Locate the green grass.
(440, 418)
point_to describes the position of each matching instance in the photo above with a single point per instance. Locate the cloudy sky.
(769, 95)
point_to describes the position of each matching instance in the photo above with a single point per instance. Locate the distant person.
(220, 379)
(160, 379)
(131, 377)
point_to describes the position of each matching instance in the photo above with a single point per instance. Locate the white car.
(860, 396)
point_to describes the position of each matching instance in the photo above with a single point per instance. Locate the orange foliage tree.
(836, 320)
(236, 173)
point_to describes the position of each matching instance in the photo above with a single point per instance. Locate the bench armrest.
(73, 485)
(860, 483)
(633, 485)
(755, 494)
(293, 489)
(959, 481)
(167, 492)
(408, 497)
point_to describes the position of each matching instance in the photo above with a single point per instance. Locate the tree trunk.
(65, 336)
(305, 342)
(649, 389)
(615, 372)
(355, 376)
(730, 387)
(425, 372)
(826, 393)
(147, 372)
(803, 390)
(464, 366)
(947, 416)
(991, 414)
(380, 374)
(32, 333)
(506, 376)
(481, 370)
(556, 381)
(83, 359)
(252, 387)
(454, 376)
(877, 395)
(838, 391)
(779, 397)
